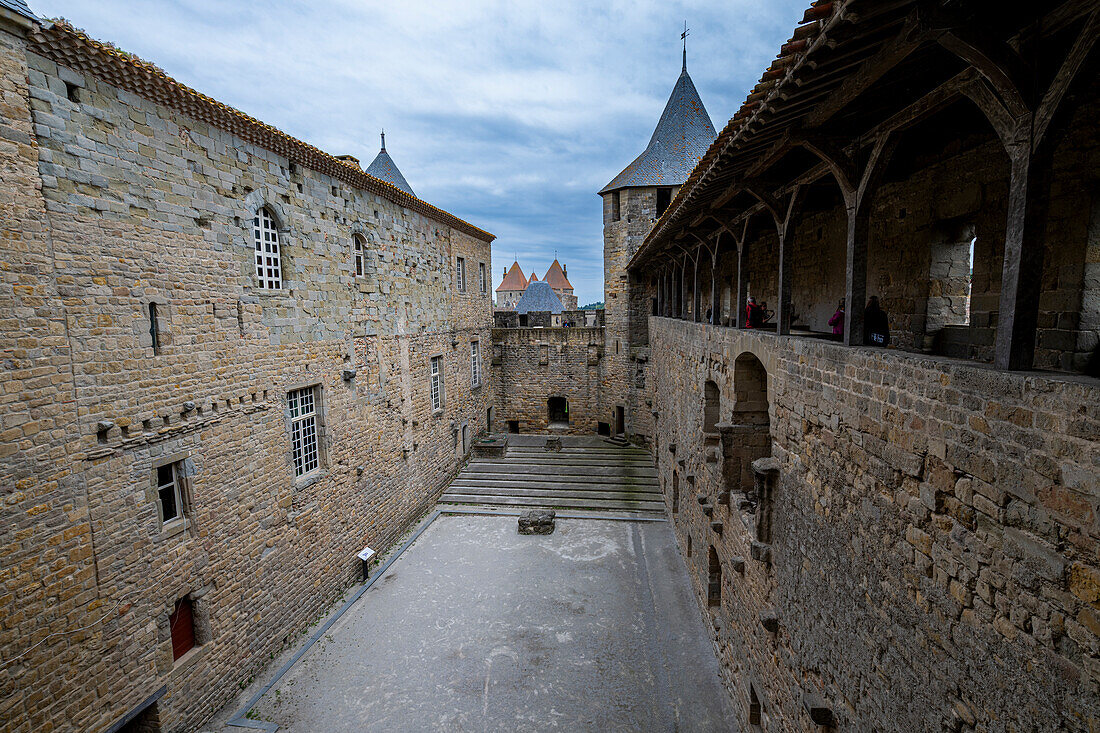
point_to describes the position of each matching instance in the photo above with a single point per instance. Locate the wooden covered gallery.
(943, 156)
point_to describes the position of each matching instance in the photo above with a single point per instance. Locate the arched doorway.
(557, 409)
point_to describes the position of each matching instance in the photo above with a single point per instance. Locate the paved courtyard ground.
(477, 628)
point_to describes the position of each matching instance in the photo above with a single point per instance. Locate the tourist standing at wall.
(876, 323)
(837, 321)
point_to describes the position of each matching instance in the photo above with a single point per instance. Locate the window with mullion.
(303, 430)
(265, 236)
(437, 383)
(475, 363)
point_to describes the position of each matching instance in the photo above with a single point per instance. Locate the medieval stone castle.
(232, 359)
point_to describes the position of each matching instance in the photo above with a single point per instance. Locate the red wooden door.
(183, 628)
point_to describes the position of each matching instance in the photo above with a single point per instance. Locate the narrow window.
(437, 383)
(359, 249)
(303, 429)
(615, 201)
(154, 329)
(475, 363)
(182, 623)
(460, 274)
(265, 235)
(755, 708)
(170, 492)
(714, 578)
(482, 284)
(712, 400)
(664, 198)
(675, 492)
(72, 91)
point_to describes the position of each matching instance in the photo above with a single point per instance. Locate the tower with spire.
(384, 168)
(632, 202)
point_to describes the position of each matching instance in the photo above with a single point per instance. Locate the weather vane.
(684, 38)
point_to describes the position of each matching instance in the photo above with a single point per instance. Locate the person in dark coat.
(876, 326)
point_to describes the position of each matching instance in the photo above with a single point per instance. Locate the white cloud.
(509, 114)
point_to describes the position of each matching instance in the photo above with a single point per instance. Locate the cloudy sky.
(510, 114)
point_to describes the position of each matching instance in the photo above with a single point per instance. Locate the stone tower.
(632, 202)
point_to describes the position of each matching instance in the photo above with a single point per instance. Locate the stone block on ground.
(537, 521)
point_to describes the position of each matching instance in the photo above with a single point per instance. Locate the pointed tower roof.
(533, 279)
(683, 135)
(384, 168)
(513, 279)
(556, 277)
(539, 297)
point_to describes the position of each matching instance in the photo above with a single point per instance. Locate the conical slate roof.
(539, 297)
(556, 277)
(682, 137)
(513, 279)
(384, 168)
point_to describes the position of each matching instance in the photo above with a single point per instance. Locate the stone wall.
(111, 203)
(919, 553)
(626, 307)
(531, 365)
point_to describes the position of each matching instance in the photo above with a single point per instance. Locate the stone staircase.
(586, 474)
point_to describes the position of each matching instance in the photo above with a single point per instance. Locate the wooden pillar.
(1021, 274)
(855, 278)
(696, 300)
(783, 308)
(742, 284)
(715, 310)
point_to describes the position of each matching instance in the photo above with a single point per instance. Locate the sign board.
(365, 554)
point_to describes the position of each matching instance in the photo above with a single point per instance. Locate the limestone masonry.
(294, 425)
(233, 360)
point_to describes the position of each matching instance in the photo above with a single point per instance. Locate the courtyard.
(475, 627)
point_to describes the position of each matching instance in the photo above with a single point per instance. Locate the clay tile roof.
(539, 297)
(681, 138)
(70, 47)
(556, 277)
(533, 279)
(18, 6)
(513, 279)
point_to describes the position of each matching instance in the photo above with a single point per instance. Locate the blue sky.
(509, 114)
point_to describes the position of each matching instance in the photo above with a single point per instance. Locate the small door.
(182, 623)
(620, 421)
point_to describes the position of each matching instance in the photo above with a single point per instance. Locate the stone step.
(579, 480)
(579, 461)
(610, 452)
(649, 507)
(565, 470)
(555, 493)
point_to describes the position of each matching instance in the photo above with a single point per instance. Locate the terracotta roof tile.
(556, 277)
(513, 279)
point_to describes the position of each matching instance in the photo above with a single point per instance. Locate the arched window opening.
(359, 252)
(714, 578)
(265, 236)
(750, 436)
(558, 409)
(712, 401)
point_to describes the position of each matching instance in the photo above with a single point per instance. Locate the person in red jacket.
(837, 321)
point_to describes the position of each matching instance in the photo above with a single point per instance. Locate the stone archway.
(747, 436)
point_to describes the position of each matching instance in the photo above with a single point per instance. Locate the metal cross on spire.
(684, 38)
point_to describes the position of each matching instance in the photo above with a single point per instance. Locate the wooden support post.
(742, 283)
(714, 309)
(855, 275)
(1021, 274)
(696, 300)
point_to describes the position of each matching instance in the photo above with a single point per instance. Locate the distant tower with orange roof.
(511, 288)
(559, 281)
